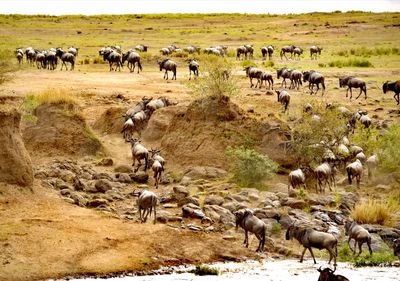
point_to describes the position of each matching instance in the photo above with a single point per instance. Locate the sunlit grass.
(376, 212)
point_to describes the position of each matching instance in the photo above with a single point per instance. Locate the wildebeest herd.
(350, 157)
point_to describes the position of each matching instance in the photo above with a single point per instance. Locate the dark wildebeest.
(51, 60)
(253, 72)
(139, 152)
(359, 234)
(284, 73)
(314, 78)
(141, 48)
(241, 52)
(327, 274)
(249, 222)
(112, 56)
(30, 55)
(352, 82)
(168, 65)
(394, 87)
(283, 98)
(41, 60)
(287, 49)
(311, 238)
(267, 77)
(66, 57)
(193, 67)
(354, 169)
(295, 79)
(267, 50)
(249, 51)
(133, 58)
(315, 51)
(297, 51)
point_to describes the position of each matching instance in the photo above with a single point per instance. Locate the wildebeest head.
(347, 225)
(240, 215)
(385, 87)
(306, 75)
(289, 232)
(325, 274)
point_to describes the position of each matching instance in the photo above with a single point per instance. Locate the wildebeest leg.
(348, 242)
(369, 246)
(361, 90)
(358, 177)
(396, 97)
(359, 248)
(302, 254)
(155, 215)
(312, 254)
(246, 235)
(331, 255)
(251, 82)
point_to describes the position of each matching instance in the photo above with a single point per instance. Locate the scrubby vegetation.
(383, 258)
(6, 67)
(367, 52)
(53, 96)
(250, 168)
(203, 270)
(376, 212)
(350, 62)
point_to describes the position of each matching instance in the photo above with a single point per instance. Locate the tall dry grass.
(55, 96)
(376, 212)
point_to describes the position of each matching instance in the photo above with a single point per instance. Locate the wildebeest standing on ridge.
(394, 87)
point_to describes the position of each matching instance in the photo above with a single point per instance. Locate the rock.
(229, 237)
(170, 206)
(192, 211)
(106, 162)
(114, 195)
(325, 200)
(123, 169)
(105, 176)
(166, 197)
(15, 162)
(214, 200)
(165, 217)
(240, 198)
(285, 221)
(67, 176)
(185, 181)
(139, 177)
(271, 196)
(377, 244)
(234, 206)
(41, 174)
(204, 172)
(269, 224)
(103, 185)
(219, 214)
(180, 192)
(187, 200)
(267, 214)
(348, 201)
(123, 177)
(194, 227)
(97, 202)
(294, 203)
(79, 199)
(65, 192)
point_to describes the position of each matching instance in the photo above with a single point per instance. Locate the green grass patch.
(247, 63)
(368, 52)
(352, 62)
(276, 228)
(202, 270)
(376, 259)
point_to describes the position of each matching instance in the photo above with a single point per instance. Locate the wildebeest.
(267, 50)
(267, 77)
(295, 79)
(214, 51)
(168, 65)
(30, 55)
(253, 72)
(128, 129)
(51, 59)
(141, 105)
(287, 49)
(315, 51)
(394, 87)
(327, 274)
(65, 57)
(354, 169)
(133, 58)
(157, 165)
(139, 119)
(165, 51)
(249, 51)
(296, 179)
(193, 67)
(139, 152)
(41, 60)
(192, 49)
(359, 234)
(314, 78)
(19, 54)
(283, 98)
(352, 82)
(372, 163)
(73, 50)
(311, 238)
(241, 52)
(325, 175)
(112, 56)
(396, 247)
(141, 48)
(284, 73)
(159, 103)
(250, 223)
(147, 202)
(297, 51)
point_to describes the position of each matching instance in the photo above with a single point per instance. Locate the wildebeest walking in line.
(284, 73)
(295, 79)
(193, 67)
(287, 49)
(141, 105)
(133, 58)
(325, 175)
(139, 152)
(254, 72)
(19, 54)
(112, 56)
(394, 87)
(267, 77)
(159, 103)
(157, 165)
(354, 170)
(147, 202)
(359, 234)
(141, 48)
(250, 223)
(267, 50)
(328, 274)
(314, 78)
(296, 179)
(168, 65)
(66, 57)
(283, 98)
(353, 82)
(297, 51)
(315, 51)
(311, 238)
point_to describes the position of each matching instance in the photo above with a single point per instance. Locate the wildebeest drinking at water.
(311, 238)
(394, 87)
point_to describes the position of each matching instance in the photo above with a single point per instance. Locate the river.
(279, 270)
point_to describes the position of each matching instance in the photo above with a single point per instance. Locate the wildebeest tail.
(349, 174)
(139, 65)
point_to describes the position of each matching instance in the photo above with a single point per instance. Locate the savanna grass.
(376, 212)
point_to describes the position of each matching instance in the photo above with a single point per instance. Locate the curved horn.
(319, 269)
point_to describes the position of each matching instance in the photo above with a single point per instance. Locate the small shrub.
(384, 258)
(388, 150)
(202, 270)
(376, 212)
(98, 60)
(302, 193)
(50, 96)
(85, 61)
(276, 228)
(367, 138)
(269, 64)
(350, 62)
(247, 63)
(249, 167)
(6, 67)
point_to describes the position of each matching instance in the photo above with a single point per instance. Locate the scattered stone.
(65, 192)
(229, 237)
(194, 227)
(170, 206)
(123, 177)
(294, 203)
(192, 211)
(180, 192)
(97, 202)
(165, 217)
(78, 184)
(219, 214)
(240, 198)
(105, 176)
(106, 162)
(205, 172)
(41, 174)
(285, 221)
(123, 169)
(234, 206)
(187, 200)
(79, 199)
(214, 200)
(185, 181)
(103, 185)
(139, 177)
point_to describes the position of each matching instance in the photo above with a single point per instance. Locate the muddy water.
(283, 270)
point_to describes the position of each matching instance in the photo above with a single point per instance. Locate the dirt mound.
(60, 129)
(111, 120)
(200, 135)
(15, 163)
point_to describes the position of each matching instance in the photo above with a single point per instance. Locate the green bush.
(350, 62)
(367, 138)
(247, 63)
(269, 64)
(368, 52)
(388, 150)
(203, 270)
(249, 167)
(384, 258)
(276, 228)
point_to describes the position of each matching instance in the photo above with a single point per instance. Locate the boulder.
(105, 162)
(97, 202)
(103, 185)
(205, 172)
(123, 169)
(165, 217)
(294, 203)
(214, 200)
(267, 214)
(219, 214)
(187, 200)
(98, 176)
(15, 163)
(139, 177)
(180, 192)
(123, 177)
(79, 199)
(234, 206)
(192, 211)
